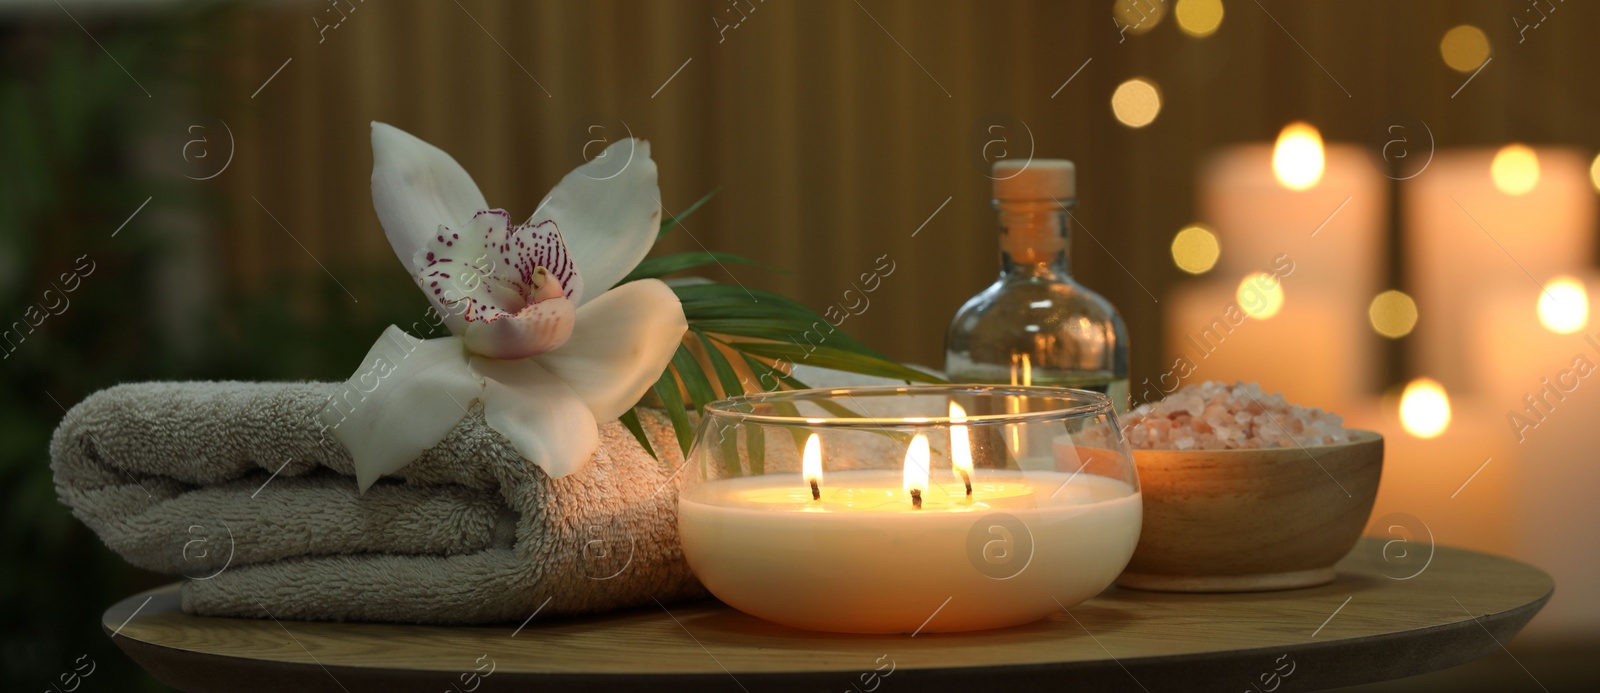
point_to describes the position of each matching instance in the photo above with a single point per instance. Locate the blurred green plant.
(74, 136)
(65, 113)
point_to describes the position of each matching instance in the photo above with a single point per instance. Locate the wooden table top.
(1366, 626)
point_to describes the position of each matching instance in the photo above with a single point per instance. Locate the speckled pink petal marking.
(531, 246)
(490, 269)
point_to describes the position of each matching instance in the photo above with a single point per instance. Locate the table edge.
(1391, 655)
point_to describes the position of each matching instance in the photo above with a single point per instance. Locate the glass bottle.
(1035, 325)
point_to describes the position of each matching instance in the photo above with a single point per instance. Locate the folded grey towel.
(234, 486)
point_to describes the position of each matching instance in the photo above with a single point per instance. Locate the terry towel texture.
(234, 486)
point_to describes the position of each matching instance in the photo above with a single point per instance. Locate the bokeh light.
(1136, 102)
(1564, 305)
(1297, 158)
(1135, 17)
(1515, 169)
(1464, 48)
(1260, 296)
(1424, 408)
(1393, 314)
(1594, 172)
(1195, 249)
(1198, 18)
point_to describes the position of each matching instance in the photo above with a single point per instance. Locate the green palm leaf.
(824, 356)
(693, 378)
(726, 376)
(671, 221)
(764, 329)
(630, 419)
(663, 265)
(666, 389)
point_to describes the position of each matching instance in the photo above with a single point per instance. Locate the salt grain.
(1216, 416)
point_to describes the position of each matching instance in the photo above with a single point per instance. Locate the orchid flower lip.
(491, 269)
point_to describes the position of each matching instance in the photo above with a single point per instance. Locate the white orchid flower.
(535, 335)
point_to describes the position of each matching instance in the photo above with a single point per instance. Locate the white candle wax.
(1465, 235)
(863, 560)
(1258, 218)
(1444, 481)
(1209, 338)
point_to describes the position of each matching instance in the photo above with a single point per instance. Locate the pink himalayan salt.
(1216, 416)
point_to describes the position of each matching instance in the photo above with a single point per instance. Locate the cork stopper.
(1035, 179)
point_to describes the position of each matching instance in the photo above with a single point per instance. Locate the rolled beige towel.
(235, 486)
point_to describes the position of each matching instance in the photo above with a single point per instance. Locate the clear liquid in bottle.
(1035, 325)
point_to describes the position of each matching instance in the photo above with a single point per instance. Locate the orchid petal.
(540, 415)
(416, 187)
(609, 210)
(405, 397)
(623, 341)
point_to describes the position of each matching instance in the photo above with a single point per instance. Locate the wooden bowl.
(1251, 520)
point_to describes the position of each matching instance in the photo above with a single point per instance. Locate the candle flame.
(1297, 158)
(1424, 408)
(916, 469)
(811, 464)
(960, 445)
(1564, 305)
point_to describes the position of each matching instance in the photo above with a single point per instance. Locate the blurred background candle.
(1322, 204)
(1491, 307)
(1310, 218)
(1447, 464)
(1499, 257)
(1524, 336)
(1301, 347)
(1482, 223)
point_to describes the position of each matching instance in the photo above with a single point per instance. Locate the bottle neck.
(1034, 239)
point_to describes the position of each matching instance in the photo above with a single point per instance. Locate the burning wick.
(960, 446)
(916, 469)
(811, 466)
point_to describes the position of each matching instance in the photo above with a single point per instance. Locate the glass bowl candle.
(909, 509)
